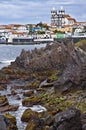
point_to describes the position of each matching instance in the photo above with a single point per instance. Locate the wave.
(38, 108)
(7, 61)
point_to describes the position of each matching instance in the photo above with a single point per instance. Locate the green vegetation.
(31, 101)
(81, 43)
(42, 25)
(40, 32)
(57, 31)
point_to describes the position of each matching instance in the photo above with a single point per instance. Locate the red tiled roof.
(18, 33)
(70, 18)
(80, 23)
(66, 15)
(68, 25)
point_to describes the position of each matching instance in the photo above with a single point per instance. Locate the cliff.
(53, 56)
(69, 59)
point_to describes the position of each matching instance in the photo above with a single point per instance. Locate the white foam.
(38, 108)
(7, 61)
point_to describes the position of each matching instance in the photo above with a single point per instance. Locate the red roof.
(66, 15)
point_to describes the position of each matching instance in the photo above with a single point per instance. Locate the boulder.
(27, 115)
(35, 124)
(3, 101)
(9, 108)
(83, 120)
(5, 106)
(68, 120)
(28, 93)
(12, 120)
(4, 123)
(3, 87)
(74, 75)
(34, 100)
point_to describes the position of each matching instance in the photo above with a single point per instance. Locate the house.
(68, 20)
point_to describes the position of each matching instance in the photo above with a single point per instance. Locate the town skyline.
(35, 11)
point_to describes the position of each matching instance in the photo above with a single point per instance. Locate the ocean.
(8, 53)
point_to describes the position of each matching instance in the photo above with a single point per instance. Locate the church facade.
(61, 19)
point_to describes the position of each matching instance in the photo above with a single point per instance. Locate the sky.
(35, 11)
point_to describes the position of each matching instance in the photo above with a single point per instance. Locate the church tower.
(61, 11)
(61, 19)
(53, 16)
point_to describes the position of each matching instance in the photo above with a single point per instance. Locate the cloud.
(33, 11)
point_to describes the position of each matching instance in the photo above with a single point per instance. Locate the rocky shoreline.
(53, 77)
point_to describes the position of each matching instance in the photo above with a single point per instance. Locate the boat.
(28, 40)
(44, 40)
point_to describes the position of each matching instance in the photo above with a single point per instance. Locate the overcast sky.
(34, 11)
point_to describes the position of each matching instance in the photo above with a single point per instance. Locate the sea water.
(8, 53)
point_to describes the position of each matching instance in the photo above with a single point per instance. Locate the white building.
(59, 19)
(22, 28)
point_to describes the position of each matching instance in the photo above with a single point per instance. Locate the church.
(60, 19)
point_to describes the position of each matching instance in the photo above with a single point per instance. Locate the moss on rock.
(27, 115)
(31, 101)
(31, 126)
(12, 120)
(3, 100)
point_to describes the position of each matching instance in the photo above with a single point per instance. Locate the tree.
(42, 25)
(30, 29)
(40, 32)
(57, 31)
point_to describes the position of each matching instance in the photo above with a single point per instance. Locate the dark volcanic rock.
(4, 123)
(83, 120)
(68, 120)
(70, 60)
(51, 57)
(74, 74)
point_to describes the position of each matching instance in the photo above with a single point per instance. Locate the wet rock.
(53, 77)
(7, 108)
(48, 120)
(84, 127)
(27, 115)
(18, 97)
(36, 124)
(46, 85)
(31, 126)
(15, 87)
(3, 101)
(4, 123)
(3, 87)
(68, 120)
(37, 120)
(28, 93)
(83, 120)
(31, 101)
(35, 84)
(13, 92)
(12, 120)
(53, 128)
